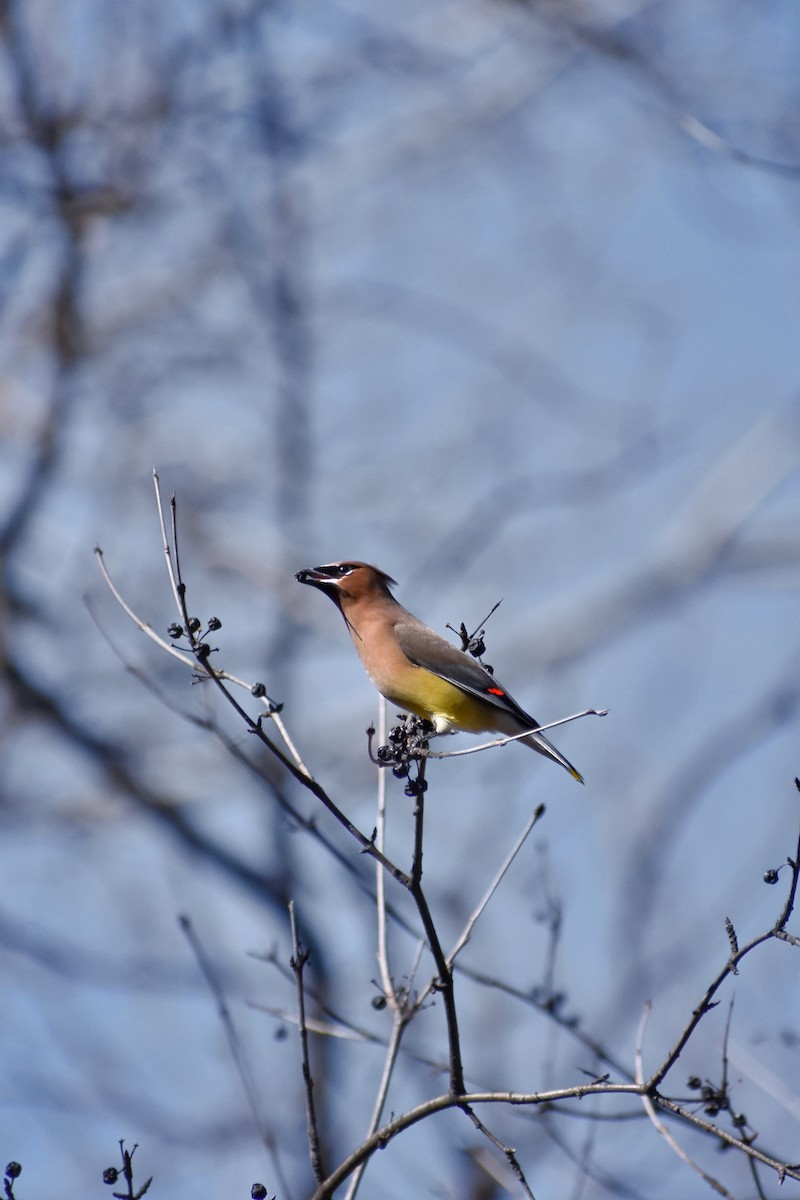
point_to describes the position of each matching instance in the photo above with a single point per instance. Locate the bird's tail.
(538, 742)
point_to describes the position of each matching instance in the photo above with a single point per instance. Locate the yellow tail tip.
(576, 775)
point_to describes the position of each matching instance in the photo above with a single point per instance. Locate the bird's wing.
(427, 649)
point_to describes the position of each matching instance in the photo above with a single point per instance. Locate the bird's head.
(346, 582)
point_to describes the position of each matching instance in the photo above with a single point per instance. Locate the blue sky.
(498, 313)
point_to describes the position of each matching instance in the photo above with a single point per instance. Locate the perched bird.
(415, 668)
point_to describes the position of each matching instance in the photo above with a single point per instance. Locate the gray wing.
(427, 649)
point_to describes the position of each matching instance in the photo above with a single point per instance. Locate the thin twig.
(444, 971)
(173, 508)
(162, 643)
(179, 592)
(587, 712)
(508, 1152)
(723, 1086)
(659, 1125)
(298, 962)
(235, 1046)
(468, 638)
(189, 660)
(173, 581)
(412, 974)
(490, 614)
(395, 998)
(792, 894)
(783, 1170)
(466, 933)
(390, 1060)
(419, 824)
(706, 1004)
(760, 1193)
(380, 877)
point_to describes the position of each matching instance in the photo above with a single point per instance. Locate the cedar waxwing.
(415, 668)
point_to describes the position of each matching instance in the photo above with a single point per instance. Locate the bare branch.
(587, 712)
(444, 981)
(238, 1054)
(466, 933)
(191, 662)
(298, 962)
(659, 1125)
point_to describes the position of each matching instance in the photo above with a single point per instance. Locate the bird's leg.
(418, 731)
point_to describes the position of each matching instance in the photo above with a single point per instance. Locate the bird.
(417, 669)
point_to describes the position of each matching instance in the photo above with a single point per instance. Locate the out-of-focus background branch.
(504, 298)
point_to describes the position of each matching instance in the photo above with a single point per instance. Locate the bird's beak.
(318, 579)
(329, 585)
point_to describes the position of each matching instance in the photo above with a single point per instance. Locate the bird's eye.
(337, 570)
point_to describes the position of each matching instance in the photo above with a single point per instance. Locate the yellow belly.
(426, 695)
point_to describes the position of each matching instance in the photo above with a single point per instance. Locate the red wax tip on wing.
(495, 691)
